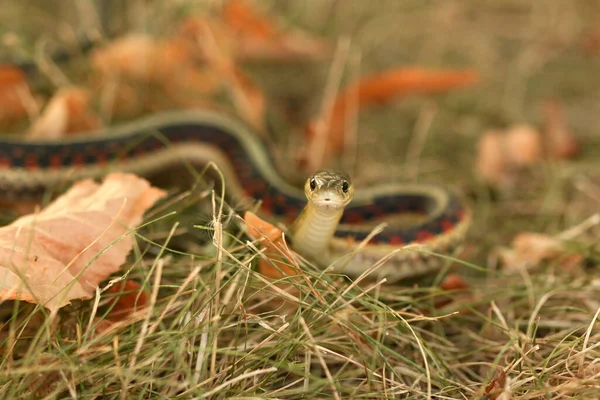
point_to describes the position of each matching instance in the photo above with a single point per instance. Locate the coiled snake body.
(320, 232)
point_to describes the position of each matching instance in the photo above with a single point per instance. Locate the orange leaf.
(259, 37)
(560, 141)
(492, 161)
(207, 38)
(523, 145)
(128, 57)
(461, 293)
(129, 298)
(14, 92)
(245, 19)
(501, 153)
(389, 85)
(64, 251)
(496, 385)
(68, 111)
(274, 245)
(385, 87)
(590, 45)
(530, 249)
(454, 282)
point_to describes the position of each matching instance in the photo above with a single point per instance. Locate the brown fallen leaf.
(529, 249)
(501, 153)
(15, 95)
(496, 386)
(68, 112)
(276, 262)
(454, 282)
(63, 252)
(129, 298)
(274, 245)
(590, 45)
(380, 89)
(523, 145)
(460, 293)
(559, 140)
(247, 98)
(193, 68)
(128, 57)
(492, 163)
(261, 37)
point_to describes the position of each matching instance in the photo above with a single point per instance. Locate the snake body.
(28, 168)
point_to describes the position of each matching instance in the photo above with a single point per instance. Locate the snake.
(404, 229)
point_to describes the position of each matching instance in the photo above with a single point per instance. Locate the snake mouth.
(329, 200)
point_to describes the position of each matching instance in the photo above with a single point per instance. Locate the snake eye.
(345, 186)
(313, 184)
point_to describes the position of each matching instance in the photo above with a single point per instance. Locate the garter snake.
(28, 168)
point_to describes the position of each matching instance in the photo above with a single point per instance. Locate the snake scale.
(326, 233)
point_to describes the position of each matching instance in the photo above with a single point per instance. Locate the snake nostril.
(327, 199)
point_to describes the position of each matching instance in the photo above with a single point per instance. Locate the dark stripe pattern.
(106, 149)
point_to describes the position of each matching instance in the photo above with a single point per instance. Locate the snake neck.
(313, 231)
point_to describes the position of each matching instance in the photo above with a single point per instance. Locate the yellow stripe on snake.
(327, 228)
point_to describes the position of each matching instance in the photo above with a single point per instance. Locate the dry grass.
(217, 329)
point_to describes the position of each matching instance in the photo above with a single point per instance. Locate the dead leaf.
(559, 140)
(261, 37)
(129, 299)
(501, 153)
(247, 98)
(454, 282)
(276, 262)
(63, 252)
(67, 112)
(523, 145)
(492, 163)
(380, 89)
(195, 30)
(15, 95)
(529, 249)
(128, 57)
(590, 45)
(496, 386)
(460, 293)
(245, 18)
(274, 245)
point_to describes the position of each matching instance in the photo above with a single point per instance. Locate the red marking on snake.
(280, 200)
(78, 160)
(396, 240)
(267, 203)
(17, 152)
(101, 158)
(352, 217)
(5, 162)
(139, 151)
(55, 161)
(290, 212)
(31, 162)
(447, 225)
(267, 207)
(423, 236)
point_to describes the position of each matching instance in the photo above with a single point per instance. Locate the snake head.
(329, 190)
